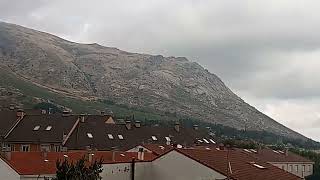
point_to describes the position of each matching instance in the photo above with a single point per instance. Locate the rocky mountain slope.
(153, 83)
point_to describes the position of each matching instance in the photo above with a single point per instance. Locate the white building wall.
(7, 173)
(179, 167)
(119, 171)
(298, 169)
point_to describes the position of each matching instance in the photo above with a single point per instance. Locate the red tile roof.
(33, 163)
(241, 164)
(270, 155)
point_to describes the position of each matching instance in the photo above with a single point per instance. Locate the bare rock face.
(168, 84)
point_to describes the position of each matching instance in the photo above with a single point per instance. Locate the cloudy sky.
(268, 52)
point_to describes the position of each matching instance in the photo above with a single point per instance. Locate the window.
(303, 168)
(290, 168)
(154, 138)
(36, 128)
(89, 135)
(25, 148)
(110, 136)
(48, 128)
(120, 136)
(309, 168)
(57, 148)
(296, 168)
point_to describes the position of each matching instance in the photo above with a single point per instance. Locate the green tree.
(81, 170)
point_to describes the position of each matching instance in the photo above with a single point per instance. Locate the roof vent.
(138, 124)
(65, 113)
(128, 125)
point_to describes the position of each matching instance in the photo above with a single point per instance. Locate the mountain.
(93, 74)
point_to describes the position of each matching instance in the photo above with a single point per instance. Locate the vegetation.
(81, 170)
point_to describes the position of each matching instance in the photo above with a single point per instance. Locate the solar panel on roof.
(36, 128)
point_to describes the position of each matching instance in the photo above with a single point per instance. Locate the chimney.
(90, 157)
(177, 126)
(102, 113)
(128, 125)
(259, 149)
(221, 146)
(137, 124)
(195, 127)
(141, 154)
(113, 156)
(286, 151)
(20, 113)
(11, 106)
(65, 113)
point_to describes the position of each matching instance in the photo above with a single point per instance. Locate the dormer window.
(110, 136)
(36, 128)
(90, 135)
(48, 128)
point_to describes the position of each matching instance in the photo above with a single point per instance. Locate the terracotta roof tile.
(241, 164)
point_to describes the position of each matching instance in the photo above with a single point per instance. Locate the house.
(93, 133)
(44, 132)
(178, 164)
(283, 159)
(42, 165)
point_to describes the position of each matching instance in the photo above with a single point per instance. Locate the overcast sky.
(268, 52)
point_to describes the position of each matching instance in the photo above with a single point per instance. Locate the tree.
(81, 170)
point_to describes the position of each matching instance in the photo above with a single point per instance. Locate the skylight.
(200, 141)
(246, 150)
(122, 155)
(253, 150)
(110, 136)
(154, 138)
(120, 136)
(161, 147)
(48, 128)
(66, 156)
(167, 138)
(179, 146)
(36, 128)
(275, 151)
(205, 140)
(213, 142)
(258, 166)
(89, 135)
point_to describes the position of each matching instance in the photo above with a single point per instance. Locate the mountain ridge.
(152, 82)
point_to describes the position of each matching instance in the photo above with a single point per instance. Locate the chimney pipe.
(20, 113)
(138, 124)
(113, 156)
(177, 126)
(11, 106)
(90, 155)
(128, 125)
